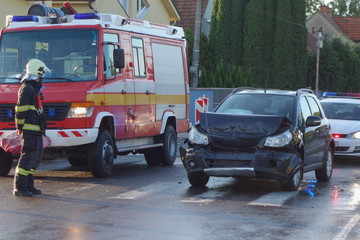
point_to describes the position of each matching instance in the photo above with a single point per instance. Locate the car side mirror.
(119, 58)
(313, 121)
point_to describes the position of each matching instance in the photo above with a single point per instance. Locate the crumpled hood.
(344, 126)
(240, 130)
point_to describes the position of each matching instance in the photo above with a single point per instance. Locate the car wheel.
(167, 153)
(293, 184)
(198, 179)
(325, 173)
(152, 157)
(6, 161)
(101, 155)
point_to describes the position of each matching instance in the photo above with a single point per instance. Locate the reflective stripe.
(19, 121)
(31, 127)
(25, 108)
(22, 171)
(32, 171)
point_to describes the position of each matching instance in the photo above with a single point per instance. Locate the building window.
(142, 8)
(138, 57)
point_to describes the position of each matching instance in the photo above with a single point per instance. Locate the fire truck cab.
(116, 86)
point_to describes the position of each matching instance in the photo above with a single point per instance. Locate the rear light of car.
(335, 135)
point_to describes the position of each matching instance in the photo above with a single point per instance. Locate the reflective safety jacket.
(29, 115)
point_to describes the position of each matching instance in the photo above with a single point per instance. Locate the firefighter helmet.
(35, 69)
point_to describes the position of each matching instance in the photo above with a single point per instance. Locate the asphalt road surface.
(141, 202)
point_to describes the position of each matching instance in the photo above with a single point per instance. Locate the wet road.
(141, 202)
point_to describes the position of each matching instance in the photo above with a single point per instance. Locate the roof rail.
(304, 90)
(239, 89)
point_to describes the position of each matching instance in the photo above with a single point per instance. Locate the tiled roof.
(186, 10)
(350, 26)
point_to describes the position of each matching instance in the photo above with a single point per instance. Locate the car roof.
(243, 90)
(341, 100)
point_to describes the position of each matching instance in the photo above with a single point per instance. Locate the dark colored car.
(254, 133)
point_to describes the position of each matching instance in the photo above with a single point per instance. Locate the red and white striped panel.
(68, 134)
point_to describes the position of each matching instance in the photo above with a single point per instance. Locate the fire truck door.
(144, 88)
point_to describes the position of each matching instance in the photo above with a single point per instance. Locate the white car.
(344, 116)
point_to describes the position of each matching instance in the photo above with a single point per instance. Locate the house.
(187, 12)
(158, 11)
(345, 28)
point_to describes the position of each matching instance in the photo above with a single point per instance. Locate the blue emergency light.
(83, 16)
(25, 19)
(9, 113)
(52, 112)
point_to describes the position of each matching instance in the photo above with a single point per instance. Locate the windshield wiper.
(60, 78)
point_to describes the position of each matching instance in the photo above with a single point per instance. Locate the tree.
(258, 39)
(345, 8)
(283, 75)
(311, 6)
(299, 39)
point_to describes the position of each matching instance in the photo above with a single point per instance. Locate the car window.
(258, 104)
(315, 109)
(335, 110)
(305, 108)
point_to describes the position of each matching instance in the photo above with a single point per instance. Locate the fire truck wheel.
(152, 157)
(6, 161)
(101, 155)
(167, 152)
(78, 161)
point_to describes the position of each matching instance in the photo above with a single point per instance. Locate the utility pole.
(319, 44)
(194, 68)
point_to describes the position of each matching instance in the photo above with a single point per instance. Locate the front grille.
(341, 149)
(53, 111)
(229, 163)
(56, 111)
(7, 112)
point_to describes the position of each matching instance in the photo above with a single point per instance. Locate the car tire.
(324, 174)
(293, 184)
(6, 162)
(198, 179)
(167, 153)
(152, 157)
(102, 155)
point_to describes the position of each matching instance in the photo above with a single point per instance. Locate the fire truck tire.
(167, 153)
(78, 161)
(101, 155)
(6, 161)
(152, 157)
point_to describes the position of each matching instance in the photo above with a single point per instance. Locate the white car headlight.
(355, 135)
(196, 137)
(279, 140)
(81, 110)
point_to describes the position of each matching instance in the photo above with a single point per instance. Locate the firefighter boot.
(20, 188)
(31, 187)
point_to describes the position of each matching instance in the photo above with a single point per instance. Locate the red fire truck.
(116, 86)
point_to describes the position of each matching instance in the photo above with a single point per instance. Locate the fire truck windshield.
(71, 55)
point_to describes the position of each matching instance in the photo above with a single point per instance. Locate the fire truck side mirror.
(119, 58)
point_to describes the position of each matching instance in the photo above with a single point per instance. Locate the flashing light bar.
(336, 94)
(25, 19)
(84, 16)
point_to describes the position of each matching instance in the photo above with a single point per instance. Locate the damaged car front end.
(242, 146)
(276, 135)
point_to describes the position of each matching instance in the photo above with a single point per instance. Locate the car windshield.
(259, 104)
(71, 55)
(336, 110)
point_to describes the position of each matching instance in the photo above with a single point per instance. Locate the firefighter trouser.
(31, 154)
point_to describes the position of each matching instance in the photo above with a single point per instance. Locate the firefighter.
(30, 122)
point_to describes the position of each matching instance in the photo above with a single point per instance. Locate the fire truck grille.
(53, 112)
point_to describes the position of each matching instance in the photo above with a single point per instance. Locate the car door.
(311, 138)
(321, 131)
